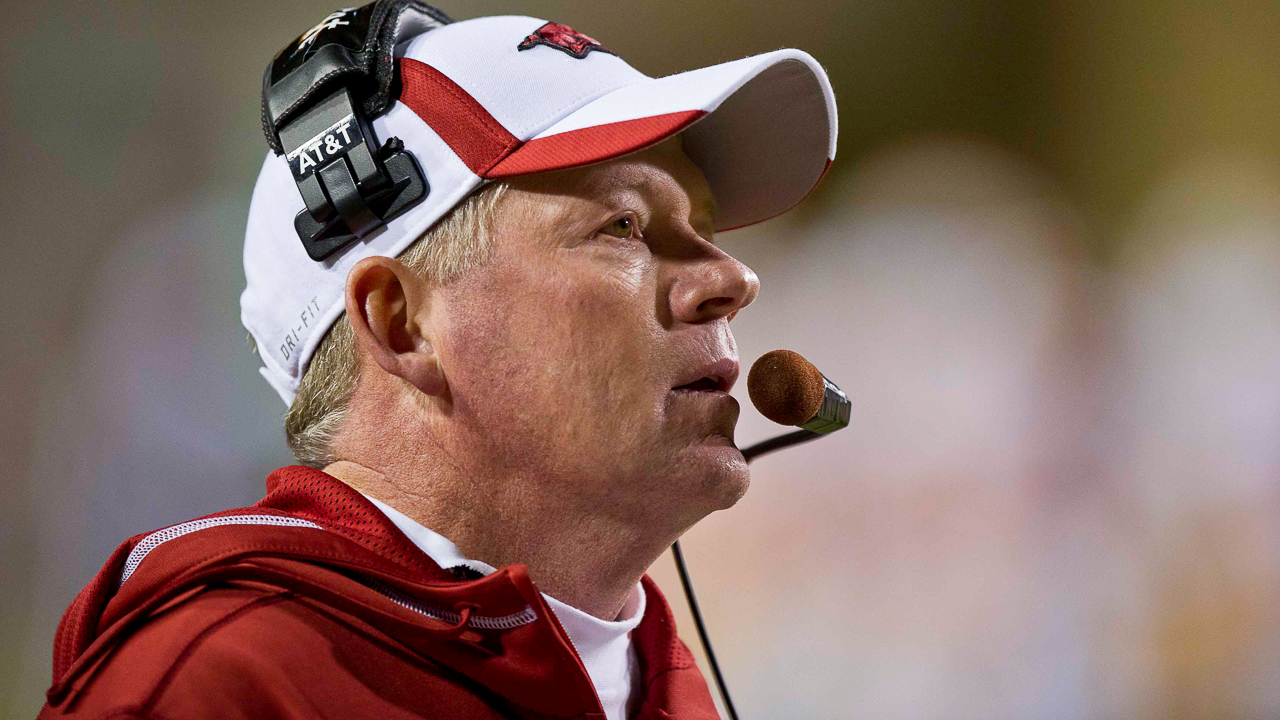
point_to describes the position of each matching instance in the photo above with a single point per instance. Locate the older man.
(524, 366)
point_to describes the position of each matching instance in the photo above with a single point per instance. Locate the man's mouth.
(706, 384)
(715, 376)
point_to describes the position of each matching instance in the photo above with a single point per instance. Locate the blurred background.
(1044, 266)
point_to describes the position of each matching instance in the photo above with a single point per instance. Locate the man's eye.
(623, 227)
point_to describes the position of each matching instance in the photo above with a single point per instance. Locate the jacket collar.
(331, 544)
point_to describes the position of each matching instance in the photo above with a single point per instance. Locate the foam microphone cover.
(785, 387)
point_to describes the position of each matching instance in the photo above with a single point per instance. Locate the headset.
(319, 95)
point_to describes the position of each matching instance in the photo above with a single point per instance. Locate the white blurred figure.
(1195, 416)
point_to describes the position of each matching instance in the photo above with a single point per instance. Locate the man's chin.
(719, 472)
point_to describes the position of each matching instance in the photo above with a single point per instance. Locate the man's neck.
(590, 563)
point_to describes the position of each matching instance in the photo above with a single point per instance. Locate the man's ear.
(385, 300)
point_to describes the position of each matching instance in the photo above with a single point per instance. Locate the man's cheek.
(625, 280)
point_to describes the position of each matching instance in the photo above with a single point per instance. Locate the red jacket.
(329, 611)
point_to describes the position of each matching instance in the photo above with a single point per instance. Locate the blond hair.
(457, 243)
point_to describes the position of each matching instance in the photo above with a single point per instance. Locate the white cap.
(495, 97)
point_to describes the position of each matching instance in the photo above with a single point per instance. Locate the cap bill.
(762, 129)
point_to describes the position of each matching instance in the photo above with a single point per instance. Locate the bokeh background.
(1044, 266)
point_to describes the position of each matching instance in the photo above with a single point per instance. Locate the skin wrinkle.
(525, 410)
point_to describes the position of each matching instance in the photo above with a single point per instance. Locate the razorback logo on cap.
(563, 37)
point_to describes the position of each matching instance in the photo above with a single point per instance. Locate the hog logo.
(564, 38)
(332, 22)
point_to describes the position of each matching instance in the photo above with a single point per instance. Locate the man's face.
(592, 354)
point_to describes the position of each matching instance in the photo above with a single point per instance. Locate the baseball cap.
(495, 97)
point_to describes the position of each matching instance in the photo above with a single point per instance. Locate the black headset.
(319, 95)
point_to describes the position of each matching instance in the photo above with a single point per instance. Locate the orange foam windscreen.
(785, 387)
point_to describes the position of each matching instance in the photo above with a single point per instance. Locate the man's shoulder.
(250, 650)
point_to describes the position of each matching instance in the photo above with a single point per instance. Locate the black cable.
(768, 446)
(702, 629)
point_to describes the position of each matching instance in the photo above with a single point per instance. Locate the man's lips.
(716, 375)
(704, 391)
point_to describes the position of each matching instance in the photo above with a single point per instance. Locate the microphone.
(789, 390)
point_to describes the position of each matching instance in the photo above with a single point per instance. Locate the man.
(527, 370)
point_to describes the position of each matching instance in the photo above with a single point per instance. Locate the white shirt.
(605, 647)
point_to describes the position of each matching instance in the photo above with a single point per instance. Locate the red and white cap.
(496, 97)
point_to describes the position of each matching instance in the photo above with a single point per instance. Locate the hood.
(315, 536)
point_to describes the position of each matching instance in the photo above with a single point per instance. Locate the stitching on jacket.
(484, 622)
(159, 537)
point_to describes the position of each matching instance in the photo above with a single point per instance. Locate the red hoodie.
(313, 604)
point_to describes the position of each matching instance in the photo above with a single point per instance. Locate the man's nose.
(713, 287)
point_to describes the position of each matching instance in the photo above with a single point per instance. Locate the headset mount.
(319, 95)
